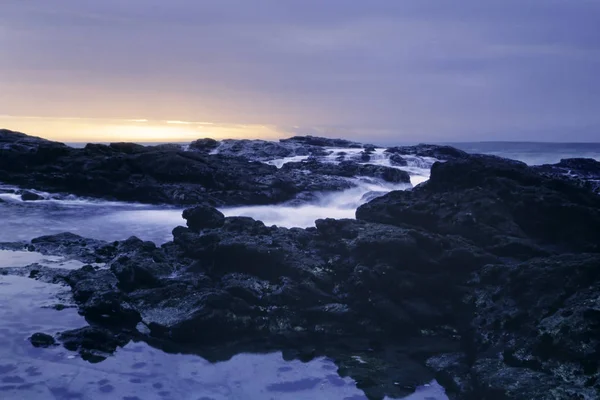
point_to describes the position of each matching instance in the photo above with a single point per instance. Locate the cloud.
(405, 70)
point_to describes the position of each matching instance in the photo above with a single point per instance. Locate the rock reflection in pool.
(139, 371)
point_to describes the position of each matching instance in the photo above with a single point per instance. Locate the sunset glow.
(138, 130)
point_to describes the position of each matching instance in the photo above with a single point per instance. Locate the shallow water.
(139, 371)
(103, 220)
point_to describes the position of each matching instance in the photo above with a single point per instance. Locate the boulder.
(201, 217)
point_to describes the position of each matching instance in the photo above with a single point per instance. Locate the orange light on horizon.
(77, 130)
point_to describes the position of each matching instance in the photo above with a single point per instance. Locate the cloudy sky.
(385, 70)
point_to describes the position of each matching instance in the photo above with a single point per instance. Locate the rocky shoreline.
(486, 277)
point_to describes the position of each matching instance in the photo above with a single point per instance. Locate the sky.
(373, 70)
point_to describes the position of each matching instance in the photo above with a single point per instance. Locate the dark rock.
(501, 205)
(584, 172)
(42, 340)
(350, 169)
(94, 344)
(201, 217)
(30, 196)
(204, 145)
(486, 277)
(430, 150)
(156, 174)
(71, 245)
(323, 142)
(398, 160)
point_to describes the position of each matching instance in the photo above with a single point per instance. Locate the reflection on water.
(139, 371)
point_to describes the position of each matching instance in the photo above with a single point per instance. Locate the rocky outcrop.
(430, 150)
(325, 142)
(350, 169)
(151, 174)
(503, 206)
(486, 278)
(584, 172)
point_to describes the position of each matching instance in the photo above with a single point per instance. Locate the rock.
(323, 142)
(155, 174)
(75, 246)
(204, 145)
(430, 150)
(350, 169)
(502, 205)
(584, 172)
(543, 317)
(398, 160)
(201, 217)
(42, 340)
(94, 344)
(485, 277)
(30, 196)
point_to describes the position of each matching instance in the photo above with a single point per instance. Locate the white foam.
(18, 259)
(338, 204)
(281, 161)
(331, 205)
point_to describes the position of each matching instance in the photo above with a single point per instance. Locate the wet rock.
(94, 344)
(350, 169)
(430, 150)
(201, 217)
(398, 160)
(30, 196)
(485, 277)
(42, 340)
(71, 245)
(584, 172)
(160, 174)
